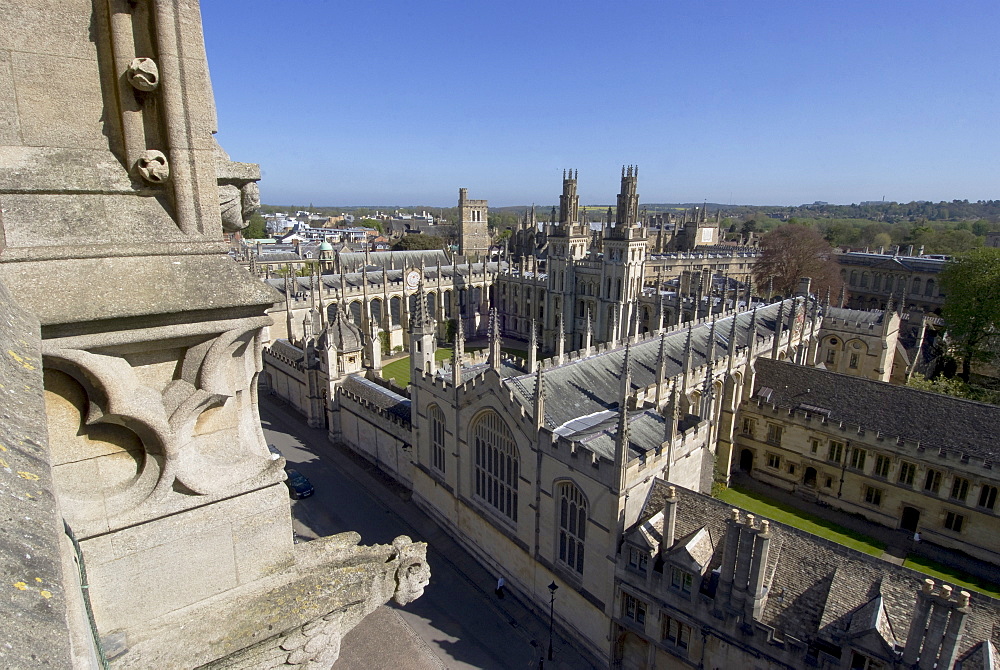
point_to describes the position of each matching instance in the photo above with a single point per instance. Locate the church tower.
(568, 241)
(473, 236)
(624, 258)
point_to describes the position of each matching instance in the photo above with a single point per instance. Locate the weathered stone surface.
(150, 344)
(34, 598)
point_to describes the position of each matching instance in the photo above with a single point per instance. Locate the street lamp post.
(552, 610)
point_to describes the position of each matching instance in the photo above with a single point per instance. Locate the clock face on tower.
(412, 279)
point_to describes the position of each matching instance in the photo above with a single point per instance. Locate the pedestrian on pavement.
(916, 537)
(500, 585)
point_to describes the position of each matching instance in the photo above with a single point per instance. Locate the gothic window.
(836, 452)
(773, 461)
(873, 496)
(954, 522)
(774, 434)
(572, 526)
(864, 280)
(988, 496)
(638, 559)
(749, 426)
(960, 489)
(929, 289)
(497, 466)
(858, 458)
(853, 362)
(831, 357)
(633, 608)
(675, 632)
(680, 580)
(915, 289)
(881, 466)
(854, 277)
(437, 437)
(932, 482)
(907, 472)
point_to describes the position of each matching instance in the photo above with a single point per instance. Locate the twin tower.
(474, 238)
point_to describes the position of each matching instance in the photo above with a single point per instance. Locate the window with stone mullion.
(572, 526)
(496, 465)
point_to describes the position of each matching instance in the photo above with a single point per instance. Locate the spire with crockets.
(621, 437)
(493, 332)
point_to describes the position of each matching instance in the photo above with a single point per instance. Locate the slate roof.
(592, 385)
(816, 585)
(378, 395)
(374, 276)
(397, 260)
(287, 350)
(854, 315)
(901, 263)
(932, 419)
(983, 656)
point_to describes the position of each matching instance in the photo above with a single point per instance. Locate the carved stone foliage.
(137, 431)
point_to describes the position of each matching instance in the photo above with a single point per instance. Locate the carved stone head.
(413, 573)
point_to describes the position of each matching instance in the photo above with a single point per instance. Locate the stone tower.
(473, 235)
(568, 241)
(146, 338)
(624, 258)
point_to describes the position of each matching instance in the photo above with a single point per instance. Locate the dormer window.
(680, 580)
(638, 559)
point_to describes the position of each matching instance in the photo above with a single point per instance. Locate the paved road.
(459, 621)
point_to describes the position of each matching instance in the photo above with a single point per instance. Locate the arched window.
(572, 525)
(864, 280)
(437, 437)
(915, 287)
(496, 464)
(929, 289)
(877, 282)
(854, 277)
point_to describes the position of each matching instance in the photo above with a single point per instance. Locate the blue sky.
(749, 101)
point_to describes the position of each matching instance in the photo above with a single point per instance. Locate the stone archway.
(810, 477)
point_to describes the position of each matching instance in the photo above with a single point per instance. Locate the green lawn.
(951, 575)
(772, 509)
(400, 368)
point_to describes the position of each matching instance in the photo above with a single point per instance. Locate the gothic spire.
(560, 340)
(494, 338)
(539, 398)
(671, 415)
(458, 353)
(621, 437)
(779, 324)
(732, 343)
(533, 346)
(661, 369)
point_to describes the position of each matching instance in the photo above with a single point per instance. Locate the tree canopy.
(256, 229)
(971, 284)
(791, 252)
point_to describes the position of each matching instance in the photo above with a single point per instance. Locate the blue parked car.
(298, 485)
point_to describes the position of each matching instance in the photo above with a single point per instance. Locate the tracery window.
(497, 466)
(437, 437)
(572, 525)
